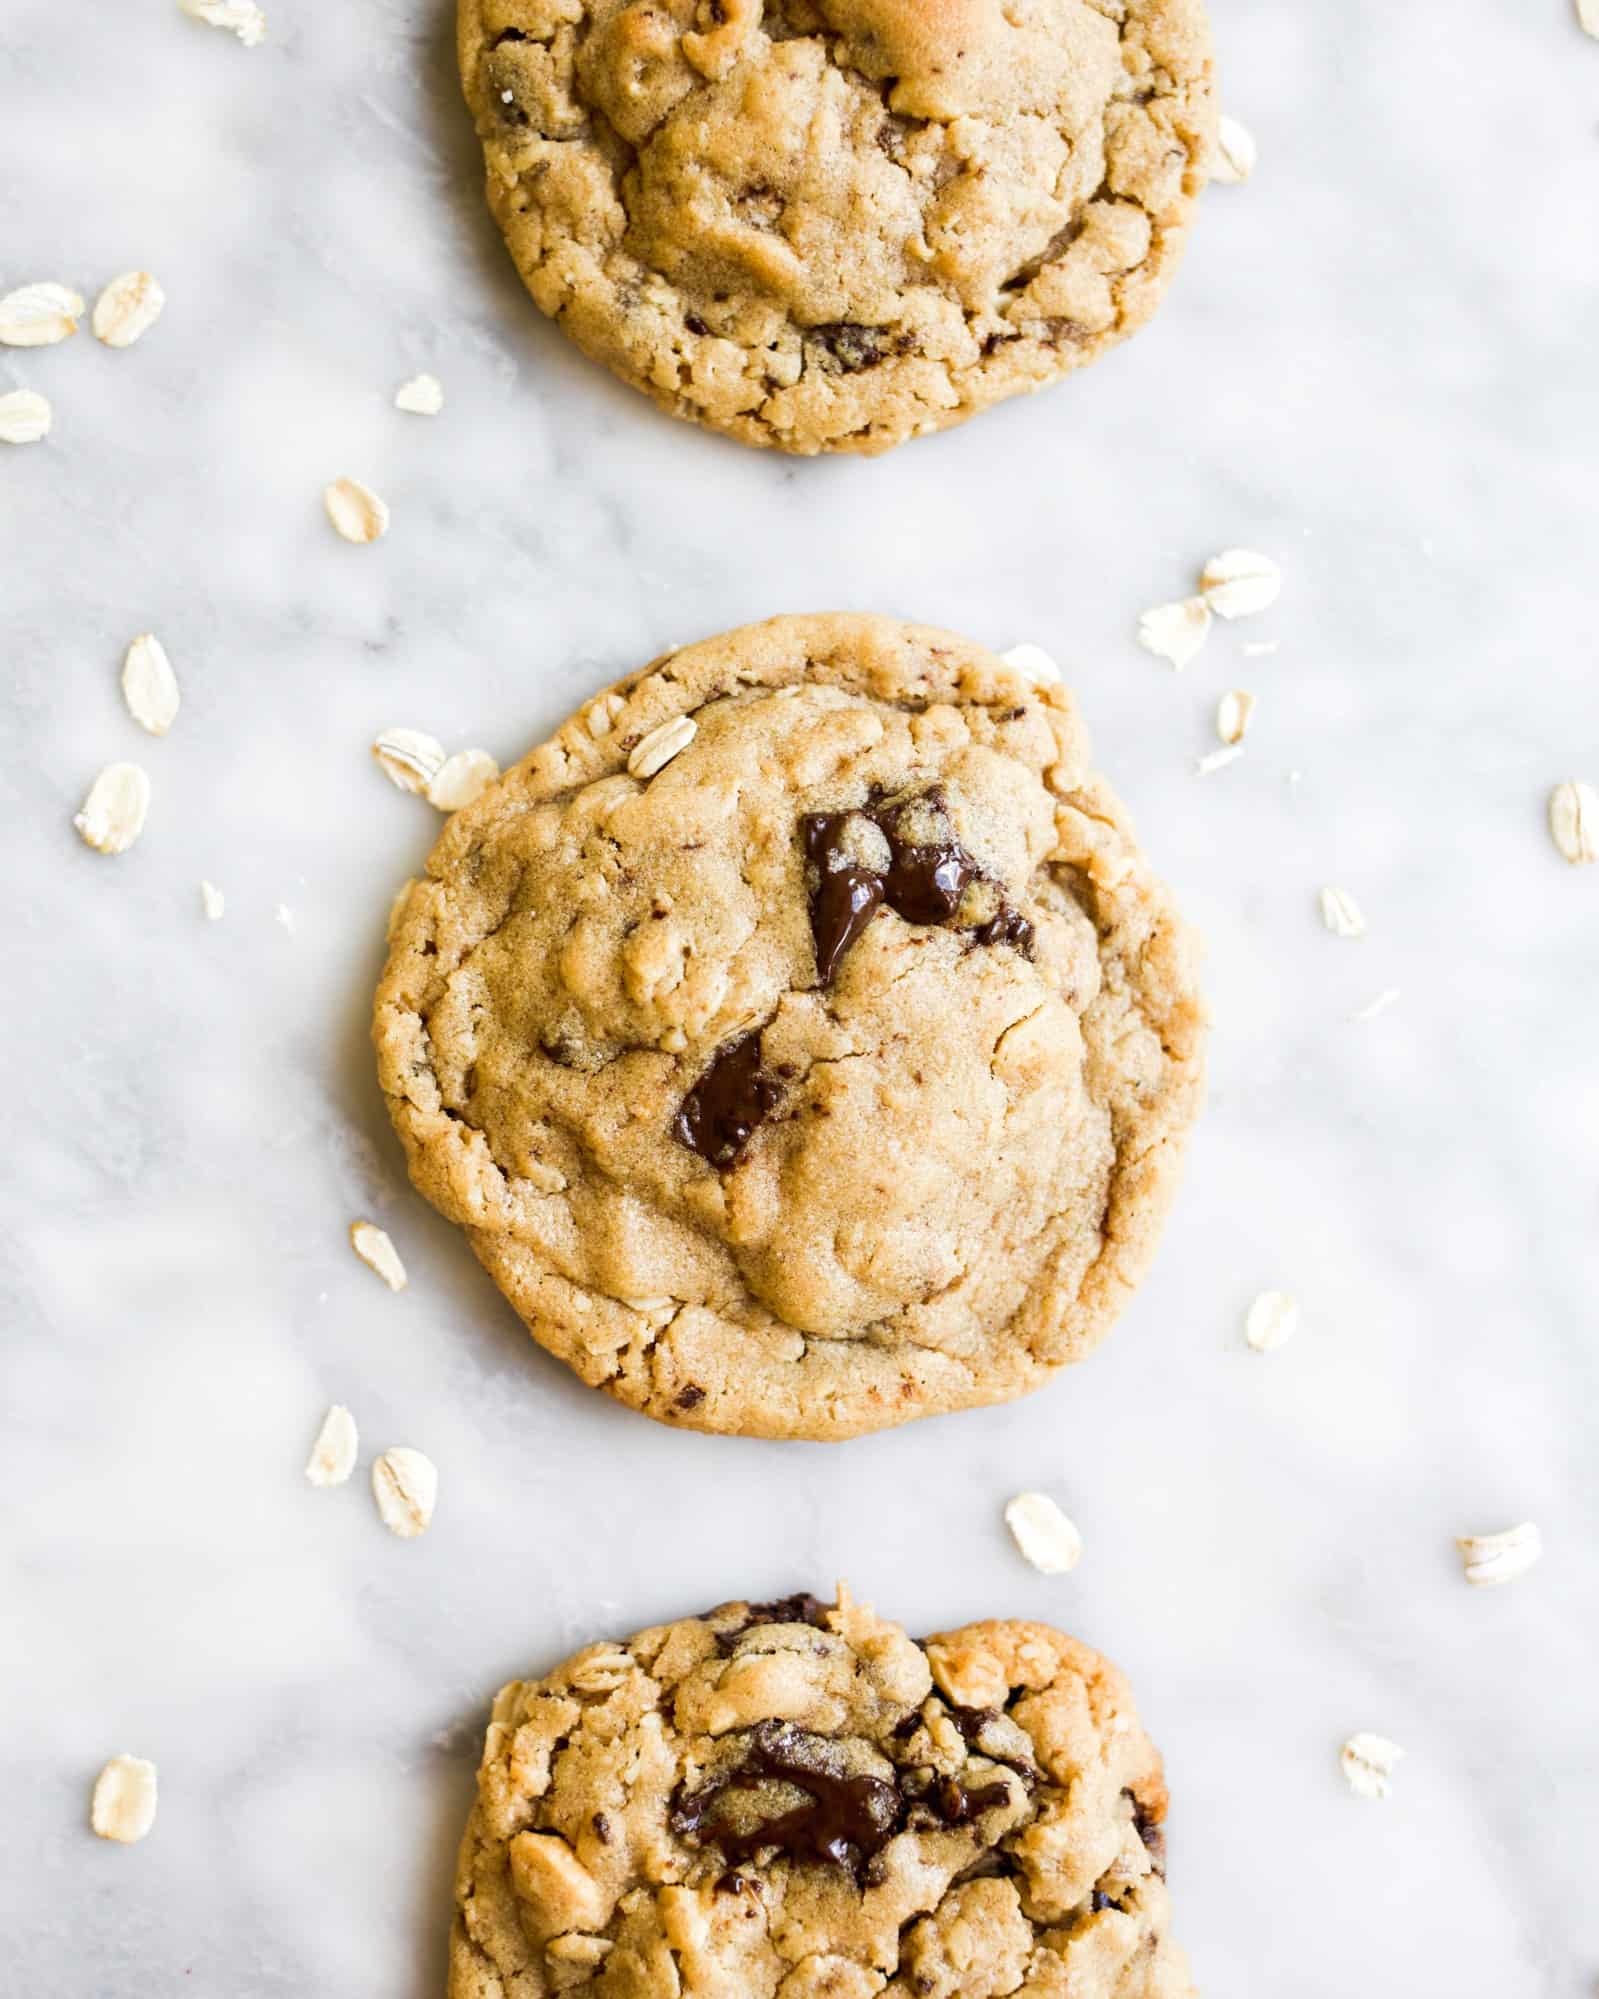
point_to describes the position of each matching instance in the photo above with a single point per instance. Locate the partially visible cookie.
(797, 1801)
(830, 225)
(800, 1035)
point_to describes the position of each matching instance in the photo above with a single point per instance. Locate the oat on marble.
(1588, 16)
(124, 1801)
(1235, 155)
(149, 686)
(1379, 1005)
(378, 1253)
(659, 747)
(114, 812)
(213, 902)
(25, 417)
(422, 395)
(284, 917)
(241, 17)
(1175, 632)
(1214, 760)
(1367, 1762)
(1240, 582)
(1272, 1319)
(1043, 1534)
(409, 758)
(1574, 819)
(39, 315)
(1234, 712)
(462, 780)
(1033, 663)
(1341, 913)
(405, 1484)
(1500, 1558)
(336, 1449)
(356, 511)
(128, 307)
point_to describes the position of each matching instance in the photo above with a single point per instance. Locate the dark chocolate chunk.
(801, 1608)
(719, 1115)
(689, 1396)
(958, 1804)
(844, 1819)
(845, 898)
(1153, 1834)
(850, 346)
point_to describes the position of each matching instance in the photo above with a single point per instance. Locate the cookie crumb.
(405, 1485)
(25, 417)
(1368, 1763)
(39, 315)
(1240, 583)
(409, 758)
(1175, 632)
(241, 17)
(1043, 1534)
(114, 812)
(213, 902)
(337, 1446)
(128, 307)
(659, 747)
(1500, 1558)
(124, 1802)
(1341, 913)
(423, 395)
(149, 686)
(1272, 1319)
(1235, 155)
(356, 511)
(378, 1253)
(1574, 817)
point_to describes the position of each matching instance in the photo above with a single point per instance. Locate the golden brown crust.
(830, 225)
(974, 1147)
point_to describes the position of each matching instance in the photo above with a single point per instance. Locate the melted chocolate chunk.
(958, 1804)
(851, 346)
(844, 1819)
(1154, 1837)
(719, 1115)
(923, 881)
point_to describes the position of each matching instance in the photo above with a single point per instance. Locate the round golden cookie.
(796, 1801)
(830, 225)
(800, 1035)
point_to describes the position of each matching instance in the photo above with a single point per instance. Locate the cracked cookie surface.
(832, 1074)
(797, 1801)
(830, 225)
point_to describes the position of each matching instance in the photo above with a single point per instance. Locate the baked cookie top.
(830, 225)
(796, 1801)
(799, 1034)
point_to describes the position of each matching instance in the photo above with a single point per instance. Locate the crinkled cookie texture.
(830, 225)
(791, 1801)
(834, 1074)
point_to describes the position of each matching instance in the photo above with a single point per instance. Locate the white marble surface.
(1379, 365)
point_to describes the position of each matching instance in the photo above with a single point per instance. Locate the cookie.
(830, 225)
(796, 1801)
(799, 1034)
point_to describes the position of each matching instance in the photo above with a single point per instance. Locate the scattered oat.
(1233, 160)
(409, 758)
(423, 395)
(1233, 714)
(127, 308)
(1588, 17)
(1032, 663)
(1500, 1558)
(1574, 815)
(463, 780)
(659, 747)
(374, 1248)
(213, 902)
(39, 315)
(149, 686)
(1380, 1004)
(1214, 760)
(1239, 582)
(405, 1485)
(243, 17)
(113, 813)
(356, 511)
(1175, 632)
(1341, 913)
(1273, 1318)
(1368, 1762)
(24, 417)
(1042, 1532)
(337, 1446)
(123, 1807)
(1260, 648)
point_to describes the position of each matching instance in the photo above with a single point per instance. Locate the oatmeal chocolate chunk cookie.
(799, 1035)
(830, 225)
(791, 1801)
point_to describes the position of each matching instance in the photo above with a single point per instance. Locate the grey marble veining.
(1379, 366)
